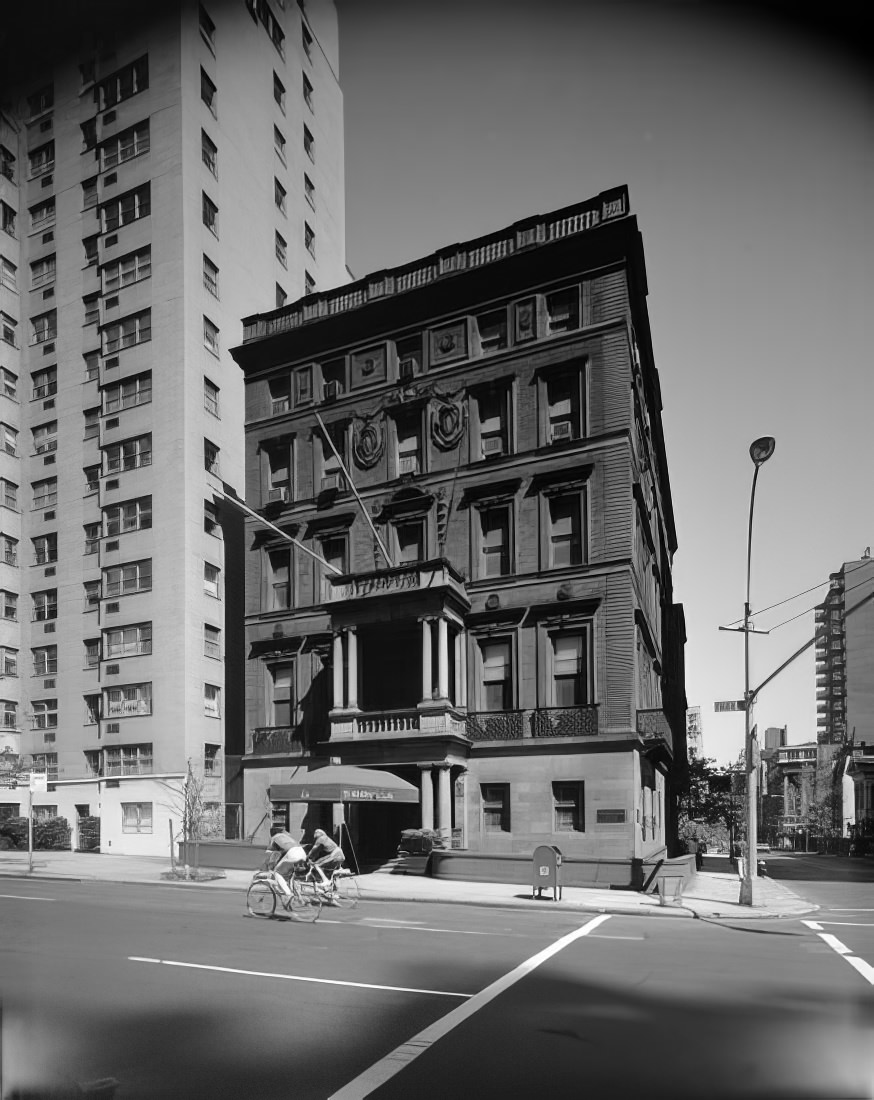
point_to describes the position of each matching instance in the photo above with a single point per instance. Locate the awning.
(345, 783)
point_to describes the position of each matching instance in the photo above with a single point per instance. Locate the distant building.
(514, 651)
(775, 737)
(694, 732)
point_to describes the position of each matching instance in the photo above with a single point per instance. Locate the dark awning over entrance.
(345, 783)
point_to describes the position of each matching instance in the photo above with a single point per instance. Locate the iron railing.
(270, 740)
(516, 725)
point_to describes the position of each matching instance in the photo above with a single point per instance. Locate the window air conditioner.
(332, 481)
(331, 390)
(493, 445)
(406, 368)
(562, 430)
(277, 494)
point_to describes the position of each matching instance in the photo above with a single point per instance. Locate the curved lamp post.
(760, 451)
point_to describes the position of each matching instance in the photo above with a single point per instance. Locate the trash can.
(546, 871)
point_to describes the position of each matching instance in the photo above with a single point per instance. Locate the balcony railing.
(272, 740)
(393, 721)
(130, 767)
(516, 725)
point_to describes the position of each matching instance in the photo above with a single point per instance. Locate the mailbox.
(547, 871)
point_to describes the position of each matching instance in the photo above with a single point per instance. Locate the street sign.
(38, 782)
(729, 705)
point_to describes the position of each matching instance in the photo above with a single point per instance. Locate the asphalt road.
(176, 993)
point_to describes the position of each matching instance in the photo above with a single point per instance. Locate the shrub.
(52, 834)
(15, 830)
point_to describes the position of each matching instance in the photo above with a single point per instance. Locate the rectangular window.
(497, 678)
(92, 653)
(309, 190)
(92, 423)
(279, 566)
(279, 143)
(210, 214)
(89, 134)
(209, 152)
(92, 717)
(281, 250)
(210, 336)
(496, 807)
(7, 164)
(8, 548)
(492, 331)
(42, 215)
(132, 700)
(9, 661)
(208, 93)
(309, 283)
(569, 670)
(207, 27)
(91, 591)
(45, 605)
(212, 701)
(45, 437)
(211, 397)
(129, 269)
(92, 538)
(127, 82)
(279, 93)
(127, 208)
(8, 326)
(281, 297)
(212, 580)
(309, 238)
(212, 764)
(8, 217)
(210, 276)
(128, 332)
(212, 639)
(564, 404)
(45, 492)
(409, 443)
(127, 641)
(610, 817)
(41, 159)
(332, 472)
(122, 580)
(568, 807)
(132, 515)
(89, 193)
(308, 93)
(211, 457)
(309, 144)
(45, 714)
(44, 327)
(9, 604)
(128, 455)
(42, 100)
(92, 479)
(9, 439)
(563, 310)
(282, 694)
(410, 541)
(45, 383)
(306, 40)
(9, 714)
(8, 495)
(495, 549)
(42, 272)
(45, 549)
(493, 421)
(130, 143)
(136, 817)
(8, 274)
(91, 250)
(279, 465)
(279, 194)
(335, 550)
(127, 394)
(211, 523)
(565, 530)
(91, 302)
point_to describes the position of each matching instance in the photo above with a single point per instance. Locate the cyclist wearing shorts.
(284, 852)
(325, 855)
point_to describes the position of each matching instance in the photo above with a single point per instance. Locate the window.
(9, 439)
(122, 580)
(92, 711)
(332, 471)
(306, 40)
(45, 605)
(496, 807)
(132, 515)
(494, 540)
(128, 332)
(279, 466)
(279, 194)
(281, 250)
(127, 394)
(45, 549)
(563, 310)
(211, 457)
(335, 550)
(497, 680)
(212, 638)
(308, 93)
(127, 641)
(129, 760)
(210, 276)
(279, 143)
(565, 535)
(309, 190)
(92, 537)
(130, 143)
(7, 329)
(8, 274)
(309, 283)
(279, 93)
(92, 479)
(210, 336)
(492, 331)
(212, 701)
(7, 164)
(209, 152)
(41, 159)
(42, 215)
(493, 420)
(281, 297)
(7, 218)
(410, 541)
(89, 193)
(91, 302)
(89, 134)
(127, 208)
(212, 764)
(409, 440)
(8, 497)
(86, 71)
(92, 423)
(569, 669)
(568, 807)
(309, 144)
(282, 694)
(136, 817)
(127, 82)
(42, 100)
(92, 653)
(9, 604)
(129, 269)
(91, 591)
(42, 272)
(564, 405)
(44, 814)
(44, 327)
(309, 238)
(9, 550)
(212, 580)
(208, 93)
(210, 215)
(45, 382)
(129, 455)
(211, 523)
(9, 713)
(8, 661)
(45, 492)
(279, 570)
(132, 700)
(207, 27)
(45, 437)
(91, 253)
(211, 397)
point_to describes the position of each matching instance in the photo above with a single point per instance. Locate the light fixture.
(762, 449)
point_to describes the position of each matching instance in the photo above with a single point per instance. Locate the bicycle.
(301, 898)
(341, 889)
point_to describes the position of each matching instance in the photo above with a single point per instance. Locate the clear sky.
(747, 144)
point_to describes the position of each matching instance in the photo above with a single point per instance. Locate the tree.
(708, 810)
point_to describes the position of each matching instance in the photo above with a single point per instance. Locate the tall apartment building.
(166, 169)
(472, 446)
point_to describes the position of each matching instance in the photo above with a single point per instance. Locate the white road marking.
(24, 897)
(374, 923)
(814, 925)
(299, 978)
(862, 967)
(845, 924)
(604, 936)
(851, 910)
(865, 969)
(396, 1060)
(834, 943)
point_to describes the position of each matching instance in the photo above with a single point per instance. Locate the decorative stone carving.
(368, 443)
(448, 419)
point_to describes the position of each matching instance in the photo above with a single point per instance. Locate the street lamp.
(760, 451)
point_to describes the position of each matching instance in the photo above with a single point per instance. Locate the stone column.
(442, 658)
(444, 803)
(338, 671)
(785, 795)
(461, 646)
(352, 668)
(426, 783)
(427, 681)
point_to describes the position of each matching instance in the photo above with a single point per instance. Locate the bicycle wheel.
(304, 903)
(346, 893)
(260, 900)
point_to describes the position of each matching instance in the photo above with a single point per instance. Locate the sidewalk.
(710, 894)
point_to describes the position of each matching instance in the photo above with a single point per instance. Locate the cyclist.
(284, 852)
(325, 855)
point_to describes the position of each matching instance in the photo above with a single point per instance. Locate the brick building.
(472, 444)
